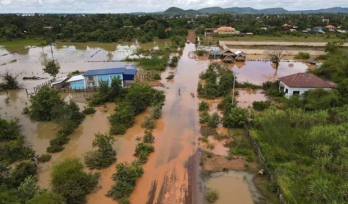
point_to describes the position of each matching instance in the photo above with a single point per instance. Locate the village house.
(298, 84)
(226, 31)
(331, 28)
(209, 31)
(318, 29)
(240, 56)
(312, 60)
(91, 79)
(59, 83)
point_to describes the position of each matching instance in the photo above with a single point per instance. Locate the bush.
(235, 118)
(214, 120)
(44, 158)
(56, 144)
(204, 117)
(125, 177)
(203, 106)
(148, 123)
(148, 137)
(156, 111)
(70, 180)
(261, 105)
(22, 171)
(302, 55)
(211, 196)
(226, 103)
(157, 77)
(142, 151)
(104, 156)
(25, 111)
(154, 63)
(201, 52)
(89, 111)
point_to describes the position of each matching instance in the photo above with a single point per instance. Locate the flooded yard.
(234, 187)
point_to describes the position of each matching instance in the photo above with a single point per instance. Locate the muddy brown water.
(172, 173)
(234, 187)
(246, 97)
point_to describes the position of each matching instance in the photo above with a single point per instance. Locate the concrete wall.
(301, 90)
(109, 77)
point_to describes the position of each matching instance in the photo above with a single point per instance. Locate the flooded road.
(234, 187)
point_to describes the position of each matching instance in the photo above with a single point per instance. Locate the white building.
(302, 82)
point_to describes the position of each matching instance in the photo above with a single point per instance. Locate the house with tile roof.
(300, 83)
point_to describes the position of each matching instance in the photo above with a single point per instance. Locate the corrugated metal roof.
(58, 81)
(130, 72)
(94, 72)
(306, 80)
(76, 78)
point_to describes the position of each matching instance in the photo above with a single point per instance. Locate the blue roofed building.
(92, 78)
(77, 82)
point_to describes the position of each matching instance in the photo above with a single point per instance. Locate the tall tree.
(52, 68)
(276, 54)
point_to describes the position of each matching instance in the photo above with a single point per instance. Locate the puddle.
(246, 97)
(219, 148)
(234, 187)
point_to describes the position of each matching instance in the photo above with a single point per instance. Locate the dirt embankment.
(191, 36)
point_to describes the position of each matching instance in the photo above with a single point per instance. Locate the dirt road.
(191, 36)
(171, 174)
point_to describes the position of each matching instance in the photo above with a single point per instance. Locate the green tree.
(43, 103)
(47, 197)
(214, 120)
(104, 156)
(234, 118)
(114, 90)
(320, 99)
(28, 189)
(70, 181)
(332, 47)
(52, 68)
(22, 171)
(10, 80)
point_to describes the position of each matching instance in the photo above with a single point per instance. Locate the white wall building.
(302, 82)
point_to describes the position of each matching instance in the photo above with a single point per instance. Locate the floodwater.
(171, 174)
(234, 187)
(30, 61)
(246, 97)
(257, 72)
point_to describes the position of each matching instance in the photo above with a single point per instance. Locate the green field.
(20, 44)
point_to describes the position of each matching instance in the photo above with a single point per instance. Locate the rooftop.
(76, 78)
(94, 72)
(130, 72)
(58, 81)
(225, 29)
(306, 80)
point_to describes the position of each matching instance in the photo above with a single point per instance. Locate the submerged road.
(171, 174)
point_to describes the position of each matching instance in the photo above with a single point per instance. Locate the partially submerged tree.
(52, 68)
(10, 80)
(276, 54)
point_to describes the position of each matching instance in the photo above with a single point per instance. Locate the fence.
(263, 161)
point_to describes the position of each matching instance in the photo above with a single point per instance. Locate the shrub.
(204, 117)
(125, 177)
(214, 120)
(104, 156)
(56, 144)
(211, 196)
(203, 106)
(235, 118)
(25, 111)
(22, 171)
(148, 123)
(201, 52)
(148, 137)
(175, 59)
(142, 151)
(261, 105)
(302, 55)
(89, 111)
(70, 181)
(156, 111)
(157, 77)
(44, 158)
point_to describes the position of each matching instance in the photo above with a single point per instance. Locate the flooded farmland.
(172, 173)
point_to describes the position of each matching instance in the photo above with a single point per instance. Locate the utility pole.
(234, 84)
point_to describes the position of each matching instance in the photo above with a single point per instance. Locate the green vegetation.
(157, 77)
(302, 55)
(70, 181)
(142, 151)
(148, 137)
(9, 81)
(125, 177)
(236, 117)
(47, 197)
(214, 120)
(157, 63)
(89, 111)
(212, 196)
(107, 93)
(203, 106)
(148, 123)
(201, 52)
(261, 105)
(44, 158)
(204, 117)
(52, 68)
(135, 101)
(104, 156)
(211, 89)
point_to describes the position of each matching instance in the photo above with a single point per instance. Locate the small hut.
(214, 54)
(240, 56)
(228, 59)
(227, 52)
(59, 83)
(312, 60)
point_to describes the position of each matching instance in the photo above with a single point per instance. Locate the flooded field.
(246, 97)
(234, 187)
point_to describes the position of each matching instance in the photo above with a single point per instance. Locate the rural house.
(331, 28)
(91, 78)
(302, 82)
(226, 31)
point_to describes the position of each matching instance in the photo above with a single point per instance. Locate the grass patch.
(212, 195)
(154, 63)
(20, 44)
